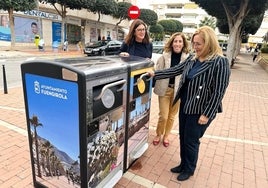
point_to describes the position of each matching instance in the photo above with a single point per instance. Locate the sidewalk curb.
(6, 54)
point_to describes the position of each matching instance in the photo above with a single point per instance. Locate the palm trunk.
(37, 154)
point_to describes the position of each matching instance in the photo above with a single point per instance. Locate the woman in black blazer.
(204, 79)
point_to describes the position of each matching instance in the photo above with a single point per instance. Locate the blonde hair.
(168, 46)
(211, 45)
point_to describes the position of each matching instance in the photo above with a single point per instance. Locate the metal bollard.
(4, 80)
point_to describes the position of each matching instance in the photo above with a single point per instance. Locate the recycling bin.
(76, 118)
(138, 108)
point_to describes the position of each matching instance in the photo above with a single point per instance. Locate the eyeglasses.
(140, 30)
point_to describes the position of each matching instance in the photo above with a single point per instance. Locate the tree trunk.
(63, 28)
(231, 45)
(12, 29)
(238, 43)
(234, 22)
(37, 154)
(116, 29)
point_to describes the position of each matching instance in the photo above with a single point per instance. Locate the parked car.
(158, 48)
(158, 44)
(103, 48)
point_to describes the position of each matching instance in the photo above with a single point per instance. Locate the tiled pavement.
(233, 152)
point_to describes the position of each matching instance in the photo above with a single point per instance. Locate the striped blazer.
(206, 90)
(164, 62)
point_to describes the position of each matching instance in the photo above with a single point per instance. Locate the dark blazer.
(147, 52)
(206, 90)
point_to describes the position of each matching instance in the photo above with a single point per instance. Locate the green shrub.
(264, 50)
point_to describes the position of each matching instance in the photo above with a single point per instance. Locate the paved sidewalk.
(233, 152)
(28, 52)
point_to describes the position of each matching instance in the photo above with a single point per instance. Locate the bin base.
(112, 179)
(141, 150)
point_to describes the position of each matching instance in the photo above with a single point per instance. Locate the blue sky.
(55, 103)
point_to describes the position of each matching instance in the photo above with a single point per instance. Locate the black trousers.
(190, 132)
(254, 57)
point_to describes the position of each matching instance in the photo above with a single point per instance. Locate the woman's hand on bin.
(150, 73)
(124, 54)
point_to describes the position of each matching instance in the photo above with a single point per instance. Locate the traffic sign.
(134, 12)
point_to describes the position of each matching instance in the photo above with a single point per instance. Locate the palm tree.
(48, 148)
(55, 165)
(209, 21)
(35, 123)
(43, 157)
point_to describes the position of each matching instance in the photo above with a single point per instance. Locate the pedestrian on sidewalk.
(41, 45)
(65, 45)
(175, 51)
(204, 79)
(256, 53)
(79, 46)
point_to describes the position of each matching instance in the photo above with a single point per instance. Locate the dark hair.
(131, 37)
(34, 23)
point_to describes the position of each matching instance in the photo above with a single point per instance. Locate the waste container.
(138, 108)
(76, 117)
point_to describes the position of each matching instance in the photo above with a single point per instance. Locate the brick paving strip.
(233, 153)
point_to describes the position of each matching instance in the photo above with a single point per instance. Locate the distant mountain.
(63, 157)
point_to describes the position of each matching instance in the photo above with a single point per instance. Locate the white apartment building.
(258, 36)
(185, 11)
(190, 15)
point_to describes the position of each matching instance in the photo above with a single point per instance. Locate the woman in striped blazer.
(204, 79)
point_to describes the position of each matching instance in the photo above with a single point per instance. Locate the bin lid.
(96, 66)
(135, 62)
(107, 63)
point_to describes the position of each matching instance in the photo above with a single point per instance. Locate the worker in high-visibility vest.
(36, 40)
